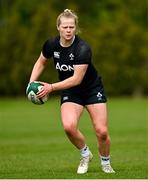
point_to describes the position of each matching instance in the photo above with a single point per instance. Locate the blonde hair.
(69, 14)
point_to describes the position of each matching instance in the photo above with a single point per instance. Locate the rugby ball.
(31, 93)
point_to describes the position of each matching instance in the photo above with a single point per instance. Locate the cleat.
(83, 166)
(107, 168)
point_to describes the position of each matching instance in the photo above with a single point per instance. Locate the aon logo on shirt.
(64, 67)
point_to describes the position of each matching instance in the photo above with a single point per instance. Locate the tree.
(116, 31)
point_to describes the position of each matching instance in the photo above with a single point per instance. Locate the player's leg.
(70, 115)
(98, 114)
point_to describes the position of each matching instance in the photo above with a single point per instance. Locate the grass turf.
(34, 145)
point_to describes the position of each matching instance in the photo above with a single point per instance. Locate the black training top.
(77, 53)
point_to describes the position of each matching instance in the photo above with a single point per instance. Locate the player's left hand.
(47, 88)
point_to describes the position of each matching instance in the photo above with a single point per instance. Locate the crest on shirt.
(71, 56)
(56, 54)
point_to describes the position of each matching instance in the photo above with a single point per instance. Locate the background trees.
(116, 30)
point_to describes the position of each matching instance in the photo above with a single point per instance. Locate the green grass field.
(34, 145)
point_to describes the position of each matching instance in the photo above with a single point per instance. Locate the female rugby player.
(80, 87)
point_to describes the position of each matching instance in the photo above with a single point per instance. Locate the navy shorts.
(92, 96)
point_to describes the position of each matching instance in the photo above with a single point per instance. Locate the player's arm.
(38, 68)
(76, 79)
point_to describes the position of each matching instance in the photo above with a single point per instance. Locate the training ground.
(34, 145)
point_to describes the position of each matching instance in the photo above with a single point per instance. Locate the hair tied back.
(67, 10)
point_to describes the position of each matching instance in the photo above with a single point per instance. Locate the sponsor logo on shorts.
(65, 98)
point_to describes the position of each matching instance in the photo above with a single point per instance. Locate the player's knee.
(69, 130)
(102, 134)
